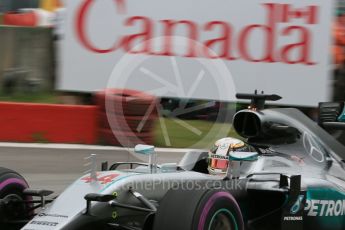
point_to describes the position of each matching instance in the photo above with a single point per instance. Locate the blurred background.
(30, 31)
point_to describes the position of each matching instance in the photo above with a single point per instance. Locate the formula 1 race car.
(295, 179)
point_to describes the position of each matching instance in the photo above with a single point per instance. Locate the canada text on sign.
(226, 37)
(280, 46)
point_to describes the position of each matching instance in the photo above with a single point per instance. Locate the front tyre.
(199, 210)
(12, 206)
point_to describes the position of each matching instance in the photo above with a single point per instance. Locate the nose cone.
(71, 202)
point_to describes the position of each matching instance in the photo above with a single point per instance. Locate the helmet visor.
(218, 165)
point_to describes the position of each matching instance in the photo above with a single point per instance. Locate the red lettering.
(192, 31)
(221, 45)
(303, 47)
(145, 36)
(81, 25)
(121, 6)
(224, 41)
(269, 30)
(310, 13)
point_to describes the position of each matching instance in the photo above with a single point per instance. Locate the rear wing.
(332, 115)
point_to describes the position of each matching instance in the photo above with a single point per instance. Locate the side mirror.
(96, 197)
(150, 151)
(243, 156)
(38, 193)
(144, 149)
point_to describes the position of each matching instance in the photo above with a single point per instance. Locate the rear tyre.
(199, 210)
(12, 186)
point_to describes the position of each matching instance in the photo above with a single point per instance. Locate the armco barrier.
(27, 122)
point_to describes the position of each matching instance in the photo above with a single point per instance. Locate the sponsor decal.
(324, 208)
(293, 218)
(297, 206)
(51, 215)
(313, 148)
(293, 213)
(44, 223)
(213, 156)
(224, 146)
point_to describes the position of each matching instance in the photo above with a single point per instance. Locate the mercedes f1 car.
(295, 179)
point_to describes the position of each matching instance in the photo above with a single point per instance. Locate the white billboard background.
(298, 84)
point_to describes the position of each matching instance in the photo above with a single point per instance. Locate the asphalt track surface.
(55, 167)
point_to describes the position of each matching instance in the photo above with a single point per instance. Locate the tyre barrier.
(129, 123)
(126, 117)
(124, 101)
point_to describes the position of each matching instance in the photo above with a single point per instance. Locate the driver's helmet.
(218, 161)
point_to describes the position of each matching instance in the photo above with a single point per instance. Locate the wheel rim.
(223, 219)
(13, 210)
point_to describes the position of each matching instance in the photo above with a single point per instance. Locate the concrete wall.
(27, 54)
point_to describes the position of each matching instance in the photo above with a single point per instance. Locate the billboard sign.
(200, 48)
